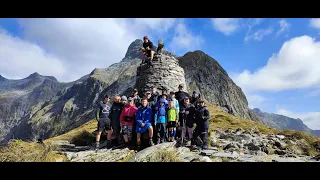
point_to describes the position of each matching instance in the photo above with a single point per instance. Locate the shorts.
(104, 124)
(172, 124)
(127, 130)
(143, 129)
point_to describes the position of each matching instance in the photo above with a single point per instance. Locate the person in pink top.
(127, 119)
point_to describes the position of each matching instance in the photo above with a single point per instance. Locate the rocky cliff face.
(204, 73)
(165, 72)
(283, 122)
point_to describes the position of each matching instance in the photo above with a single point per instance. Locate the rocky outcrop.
(165, 72)
(204, 73)
(283, 122)
(226, 146)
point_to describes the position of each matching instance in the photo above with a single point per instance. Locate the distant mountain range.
(283, 122)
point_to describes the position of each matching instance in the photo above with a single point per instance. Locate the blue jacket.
(161, 115)
(144, 115)
(176, 103)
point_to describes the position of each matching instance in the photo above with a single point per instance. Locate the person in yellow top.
(173, 117)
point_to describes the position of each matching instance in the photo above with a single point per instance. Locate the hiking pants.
(161, 132)
(201, 131)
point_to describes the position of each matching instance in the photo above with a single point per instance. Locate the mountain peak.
(3, 78)
(134, 50)
(33, 75)
(256, 110)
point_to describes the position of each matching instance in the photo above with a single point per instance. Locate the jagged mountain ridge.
(75, 104)
(283, 122)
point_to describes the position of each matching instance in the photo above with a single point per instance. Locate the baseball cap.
(171, 92)
(130, 99)
(201, 100)
(135, 90)
(148, 92)
(124, 98)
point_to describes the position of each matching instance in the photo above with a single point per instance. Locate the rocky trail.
(226, 146)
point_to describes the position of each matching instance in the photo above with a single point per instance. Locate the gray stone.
(225, 155)
(205, 159)
(207, 152)
(159, 75)
(280, 137)
(280, 159)
(252, 147)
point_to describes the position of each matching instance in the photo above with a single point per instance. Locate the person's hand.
(177, 121)
(155, 123)
(187, 112)
(148, 48)
(142, 125)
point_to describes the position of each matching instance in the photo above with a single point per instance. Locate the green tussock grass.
(220, 120)
(20, 151)
(39, 114)
(79, 135)
(164, 155)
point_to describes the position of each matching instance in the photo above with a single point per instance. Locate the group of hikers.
(163, 115)
(154, 114)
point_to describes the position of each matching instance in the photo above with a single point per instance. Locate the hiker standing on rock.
(163, 91)
(154, 94)
(127, 119)
(195, 98)
(175, 101)
(143, 122)
(173, 116)
(186, 117)
(104, 122)
(124, 100)
(114, 116)
(202, 121)
(180, 95)
(147, 49)
(136, 98)
(160, 121)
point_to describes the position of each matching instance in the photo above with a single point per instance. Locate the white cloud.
(226, 25)
(284, 27)
(251, 23)
(185, 39)
(259, 34)
(18, 58)
(311, 119)
(296, 65)
(71, 48)
(256, 101)
(315, 23)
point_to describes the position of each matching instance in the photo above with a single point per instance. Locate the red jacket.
(128, 111)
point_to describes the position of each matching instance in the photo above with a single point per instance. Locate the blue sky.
(288, 83)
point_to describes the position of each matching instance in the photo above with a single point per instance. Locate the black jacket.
(180, 95)
(187, 112)
(148, 44)
(195, 101)
(155, 97)
(202, 117)
(115, 112)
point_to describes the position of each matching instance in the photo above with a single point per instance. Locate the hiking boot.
(138, 148)
(151, 142)
(204, 147)
(109, 144)
(97, 146)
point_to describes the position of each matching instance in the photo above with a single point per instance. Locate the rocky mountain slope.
(283, 122)
(204, 73)
(18, 97)
(73, 106)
